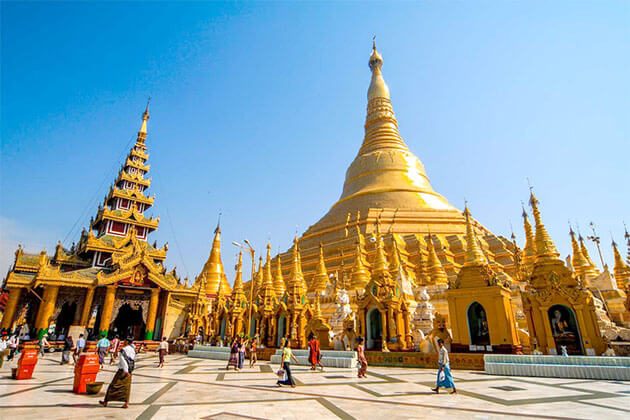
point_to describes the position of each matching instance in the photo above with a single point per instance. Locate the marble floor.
(202, 389)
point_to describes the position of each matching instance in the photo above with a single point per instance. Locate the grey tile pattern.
(202, 389)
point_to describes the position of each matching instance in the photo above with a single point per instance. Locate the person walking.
(120, 387)
(287, 356)
(362, 359)
(4, 348)
(314, 352)
(79, 348)
(68, 344)
(102, 347)
(233, 361)
(241, 352)
(162, 351)
(14, 342)
(444, 376)
(253, 357)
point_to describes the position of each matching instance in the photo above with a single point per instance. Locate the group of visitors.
(238, 349)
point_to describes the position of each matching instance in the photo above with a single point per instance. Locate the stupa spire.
(213, 268)
(621, 270)
(529, 252)
(296, 280)
(238, 281)
(360, 276)
(579, 263)
(436, 269)
(474, 255)
(545, 248)
(142, 134)
(278, 281)
(587, 256)
(320, 279)
(267, 278)
(380, 264)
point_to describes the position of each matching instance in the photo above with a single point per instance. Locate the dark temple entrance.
(129, 323)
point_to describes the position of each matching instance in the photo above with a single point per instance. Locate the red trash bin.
(85, 372)
(26, 364)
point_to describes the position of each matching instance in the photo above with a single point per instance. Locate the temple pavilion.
(113, 281)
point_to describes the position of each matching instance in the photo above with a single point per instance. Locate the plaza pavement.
(202, 389)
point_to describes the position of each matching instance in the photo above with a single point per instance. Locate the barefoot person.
(362, 359)
(162, 351)
(253, 357)
(314, 352)
(444, 377)
(102, 347)
(287, 355)
(120, 387)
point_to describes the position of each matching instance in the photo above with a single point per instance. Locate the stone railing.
(578, 367)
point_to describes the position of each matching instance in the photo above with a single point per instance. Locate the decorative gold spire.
(142, 134)
(579, 263)
(296, 279)
(360, 276)
(436, 269)
(278, 281)
(320, 279)
(545, 248)
(213, 268)
(238, 281)
(474, 255)
(621, 270)
(529, 252)
(380, 260)
(267, 278)
(258, 278)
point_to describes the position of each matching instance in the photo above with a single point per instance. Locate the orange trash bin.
(85, 372)
(26, 364)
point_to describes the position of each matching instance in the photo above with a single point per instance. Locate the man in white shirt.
(14, 342)
(79, 348)
(120, 387)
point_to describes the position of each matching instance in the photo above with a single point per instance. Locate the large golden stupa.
(386, 181)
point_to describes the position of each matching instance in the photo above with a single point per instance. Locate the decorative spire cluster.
(278, 281)
(437, 274)
(320, 279)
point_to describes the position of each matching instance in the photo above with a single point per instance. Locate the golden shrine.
(392, 261)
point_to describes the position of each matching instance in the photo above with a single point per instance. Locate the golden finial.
(579, 263)
(545, 248)
(142, 134)
(474, 255)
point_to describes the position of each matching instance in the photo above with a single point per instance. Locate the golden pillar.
(46, 309)
(153, 306)
(384, 335)
(87, 306)
(108, 307)
(11, 306)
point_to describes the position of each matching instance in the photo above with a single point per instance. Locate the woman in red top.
(314, 353)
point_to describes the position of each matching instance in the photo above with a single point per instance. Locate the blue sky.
(258, 109)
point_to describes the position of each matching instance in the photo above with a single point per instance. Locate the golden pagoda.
(113, 281)
(480, 304)
(560, 310)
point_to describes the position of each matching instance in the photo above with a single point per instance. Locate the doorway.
(129, 322)
(374, 330)
(478, 325)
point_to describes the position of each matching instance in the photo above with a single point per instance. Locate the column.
(106, 312)
(46, 309)
(550, 342)
(383, 328)
(9, 311)
(153, 306)
(87, 306)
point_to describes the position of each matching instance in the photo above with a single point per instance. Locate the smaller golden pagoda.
(560, 310)
(479, 303)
